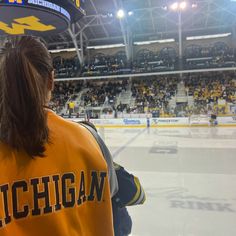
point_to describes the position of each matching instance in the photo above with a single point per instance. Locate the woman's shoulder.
(62, 126)
(69, 138)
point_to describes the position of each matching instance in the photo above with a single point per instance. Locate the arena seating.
(210, 92)
(66, 68)
(63, 92)
(148, 61)
(107, 65)
(195, 57)
(218, 55)
(154, 93)
(102, 94)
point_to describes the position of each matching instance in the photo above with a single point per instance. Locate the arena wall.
(229, 121)
(65, 55)
(108, 52)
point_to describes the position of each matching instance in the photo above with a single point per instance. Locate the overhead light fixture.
(165, 8)
(63, 50)
(174, 6)
(106, 46)
(110, 14)
(194, 5)
(130, 13)
(154, 41)
(120, 14)
(211, 36)
(166, 40)
(178, 6)
(183, 5)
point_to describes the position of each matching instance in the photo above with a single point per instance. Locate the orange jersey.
(66, 193)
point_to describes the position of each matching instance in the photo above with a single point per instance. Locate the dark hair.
(25, 69)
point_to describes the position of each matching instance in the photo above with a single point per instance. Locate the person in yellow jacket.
(71, 108)
(53, 179)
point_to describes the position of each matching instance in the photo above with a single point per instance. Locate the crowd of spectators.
(148, 61)
(62, 93)
(103, 93)
(107, 65)
(207, 89)
(218, 55)
(211, 92)
(66, 68)
(195, 57)
(145, 61)
(153, 94)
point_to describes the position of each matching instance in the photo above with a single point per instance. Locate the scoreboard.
(38, 17)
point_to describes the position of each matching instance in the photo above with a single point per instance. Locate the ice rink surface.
(189, 175)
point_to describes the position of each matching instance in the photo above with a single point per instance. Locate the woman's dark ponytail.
(25, 69)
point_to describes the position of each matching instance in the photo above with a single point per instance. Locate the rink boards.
(229, 121)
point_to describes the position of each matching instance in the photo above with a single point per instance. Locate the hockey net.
(199, 120)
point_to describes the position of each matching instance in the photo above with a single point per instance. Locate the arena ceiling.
(151, 20)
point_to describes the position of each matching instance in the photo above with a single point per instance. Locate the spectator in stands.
(71, 105)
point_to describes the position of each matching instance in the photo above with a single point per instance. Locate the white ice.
(189, 175)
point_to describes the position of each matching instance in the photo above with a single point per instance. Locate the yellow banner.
(26, 23)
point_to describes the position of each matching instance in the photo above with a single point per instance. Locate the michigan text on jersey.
(49, 194)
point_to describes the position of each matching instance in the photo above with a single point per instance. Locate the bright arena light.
(211, 36)
(130, 13)
(174, 6)
(165, 8)
(183, 5)
(178, 6)
(120, 14)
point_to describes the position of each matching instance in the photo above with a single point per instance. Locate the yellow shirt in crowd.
(71, 105)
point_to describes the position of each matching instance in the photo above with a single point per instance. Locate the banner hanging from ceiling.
(38, 17)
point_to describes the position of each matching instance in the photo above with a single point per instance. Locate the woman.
(53, 178)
